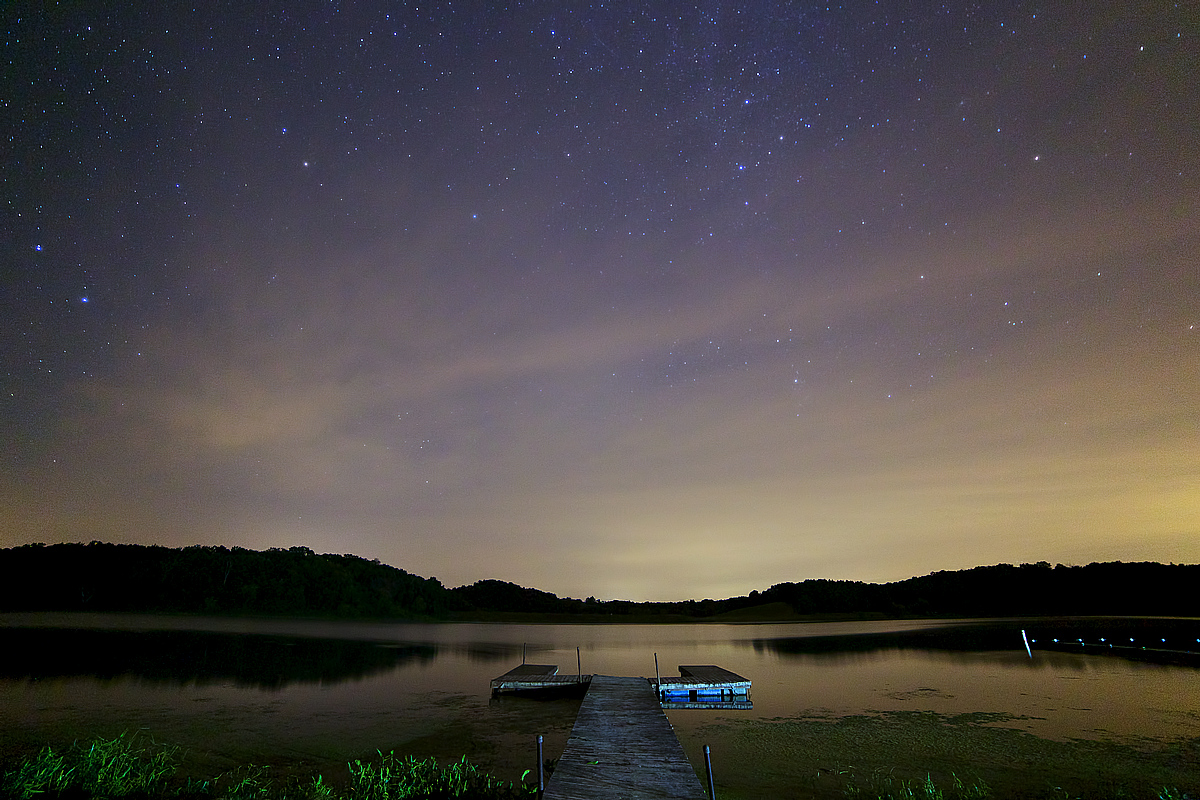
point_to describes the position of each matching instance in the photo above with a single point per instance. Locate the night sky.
(632, 300)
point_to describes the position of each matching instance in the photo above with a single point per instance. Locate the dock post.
(712, 790)
(541, 770)
(657, 679)
(578, 666)
(522, 652)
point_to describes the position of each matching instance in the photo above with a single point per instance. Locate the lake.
(833, 701)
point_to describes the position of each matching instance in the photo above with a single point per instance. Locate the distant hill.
(298, 582)
(1027, 590)
(1112, 588)
(214, 580)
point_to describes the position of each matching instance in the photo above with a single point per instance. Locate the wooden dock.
(705, 686)
(622, 746)
(538, 679)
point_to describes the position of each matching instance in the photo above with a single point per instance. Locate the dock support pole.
(541, 770)
(522, 652)
(657, 679)
(712, 790)
(578, 667)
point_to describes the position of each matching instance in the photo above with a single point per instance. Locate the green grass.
(137, 768)
(127, 766)
(392, 778)
(887, 787)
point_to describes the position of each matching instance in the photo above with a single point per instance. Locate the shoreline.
(239, 623)
(901, 754)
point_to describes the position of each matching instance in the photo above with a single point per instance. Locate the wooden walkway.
(622, 747)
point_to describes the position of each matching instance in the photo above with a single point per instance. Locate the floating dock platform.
(539, 679)
(705, 686)
(623, 747)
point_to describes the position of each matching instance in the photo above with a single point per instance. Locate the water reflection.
(315, 694)
(486, 652)
(190, 657)
(954, 638)
(1171, 641)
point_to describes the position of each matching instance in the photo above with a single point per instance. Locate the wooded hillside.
(219, 580)
(299, 582)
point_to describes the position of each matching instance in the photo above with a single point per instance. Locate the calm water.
(313, 695)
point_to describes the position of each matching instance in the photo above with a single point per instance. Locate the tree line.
(1110, 588)
(216, 580)
(298, 582)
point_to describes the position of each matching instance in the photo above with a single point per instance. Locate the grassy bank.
(138, 768)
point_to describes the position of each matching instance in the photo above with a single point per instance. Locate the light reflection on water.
(320, 693)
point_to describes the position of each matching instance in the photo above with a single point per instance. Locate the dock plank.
(710, 673)
(535, 678)
(623, 746)
(528, 670)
